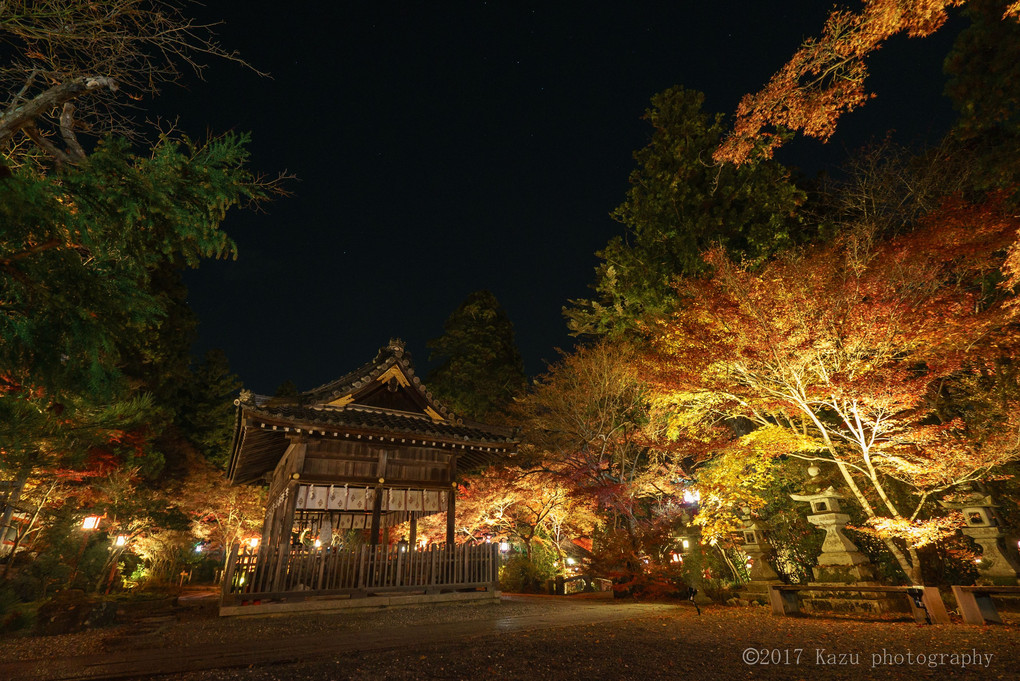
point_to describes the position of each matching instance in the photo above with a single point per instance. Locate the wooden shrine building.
(368, 451)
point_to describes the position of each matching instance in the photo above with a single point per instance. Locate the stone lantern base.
(862, 603)
(857, 573)
(757, 591)
(998, 567)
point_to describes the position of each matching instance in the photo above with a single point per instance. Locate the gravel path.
(669, 642)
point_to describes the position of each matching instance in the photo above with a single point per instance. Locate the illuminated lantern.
(90, 523)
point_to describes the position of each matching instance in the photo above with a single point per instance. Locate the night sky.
(447, 147)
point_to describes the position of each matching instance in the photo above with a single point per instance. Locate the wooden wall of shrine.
(371, 484)
(356, 461)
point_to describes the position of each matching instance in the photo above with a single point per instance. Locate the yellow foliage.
(775, 440)
(916, 533)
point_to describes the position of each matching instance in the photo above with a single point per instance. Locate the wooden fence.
(288, 573)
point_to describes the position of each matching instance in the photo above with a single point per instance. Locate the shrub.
(520, 575)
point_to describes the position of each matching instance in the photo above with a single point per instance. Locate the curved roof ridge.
(373, 410)
(390, 354)
(387, 355)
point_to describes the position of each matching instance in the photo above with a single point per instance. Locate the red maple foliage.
(843, 353)
(825, 78)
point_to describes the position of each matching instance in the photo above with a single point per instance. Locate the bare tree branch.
(44, 144)
(67, 132)
(19, 117)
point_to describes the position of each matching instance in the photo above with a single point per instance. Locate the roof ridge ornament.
(396, 345)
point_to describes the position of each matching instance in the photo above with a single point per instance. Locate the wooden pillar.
(280, 517)
(228, 572)
(451, 516)
(451, 507)
(412, 541)
(376, 515)
(283, 534)
(288, 507)
(288, 474)
(380, 470)
(269, 523)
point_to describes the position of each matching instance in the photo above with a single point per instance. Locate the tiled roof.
(388, 355)
(335, 410)
(366, 373)
(356, 417)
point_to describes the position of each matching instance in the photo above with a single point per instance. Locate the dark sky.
(446, 147)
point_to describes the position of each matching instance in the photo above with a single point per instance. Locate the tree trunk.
(915, 559)
(729, 564)
(901, 560)
(106, 574)
(13, 497)
(22, 535)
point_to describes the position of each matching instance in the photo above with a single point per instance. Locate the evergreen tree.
(81, 250)
(984, 86)
(208, 416)
(679, 204)
(95, 333)
(288, 389)
(481, 368)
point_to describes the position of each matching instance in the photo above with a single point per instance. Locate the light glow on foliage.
(842, 353)
(916, 533)
(825, 78)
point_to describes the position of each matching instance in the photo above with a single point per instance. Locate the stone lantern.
(841, 560)
(997, 564)
(757, 548)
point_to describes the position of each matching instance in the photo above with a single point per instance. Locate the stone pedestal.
(853, 603)
(840, 562)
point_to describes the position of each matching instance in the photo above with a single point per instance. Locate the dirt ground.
(722, 643)
(529, 638)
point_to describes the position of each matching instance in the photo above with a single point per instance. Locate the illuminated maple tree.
(844, 353)
(220, 514)
(585, 420)
(525, 506)
(825, 78)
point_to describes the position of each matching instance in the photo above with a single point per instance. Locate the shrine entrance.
(352, 458)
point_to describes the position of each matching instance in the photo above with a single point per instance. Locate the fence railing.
(294, 573)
